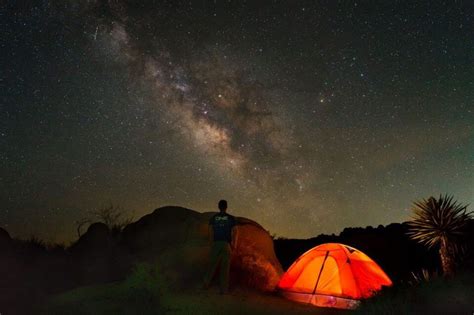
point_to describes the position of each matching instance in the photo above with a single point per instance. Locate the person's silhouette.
(221, 231)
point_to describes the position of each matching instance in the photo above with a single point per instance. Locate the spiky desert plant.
(439, 222)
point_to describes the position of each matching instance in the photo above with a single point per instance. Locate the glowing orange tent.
(332, 275)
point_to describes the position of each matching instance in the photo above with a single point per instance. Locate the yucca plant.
(440, 223)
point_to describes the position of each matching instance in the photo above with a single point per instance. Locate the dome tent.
(332, 275)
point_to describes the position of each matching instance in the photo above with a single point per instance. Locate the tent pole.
(320, 271)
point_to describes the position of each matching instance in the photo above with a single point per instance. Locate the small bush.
(431, 295)
(145, 287)
(422, 276)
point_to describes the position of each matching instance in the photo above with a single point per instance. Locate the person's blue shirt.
(222, 224)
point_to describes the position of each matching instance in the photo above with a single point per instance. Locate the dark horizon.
(307, 117)
(74, 237)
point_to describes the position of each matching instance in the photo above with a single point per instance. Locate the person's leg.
(225, 268)
(214, 259)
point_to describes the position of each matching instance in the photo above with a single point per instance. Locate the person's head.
(222, 205)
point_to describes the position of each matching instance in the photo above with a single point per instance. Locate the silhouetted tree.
(440, 222)
(113, 216)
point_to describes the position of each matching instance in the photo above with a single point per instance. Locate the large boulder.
(178, 240)
(97, 237)
(96, 257)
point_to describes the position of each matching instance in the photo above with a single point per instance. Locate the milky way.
(224, 113)
(308, 117)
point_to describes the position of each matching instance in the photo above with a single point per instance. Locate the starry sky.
(307, 116)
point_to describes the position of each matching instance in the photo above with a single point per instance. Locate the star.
(115, 104)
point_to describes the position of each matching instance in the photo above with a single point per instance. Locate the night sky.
(307, 117)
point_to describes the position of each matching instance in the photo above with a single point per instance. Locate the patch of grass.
(145, 286)
(241, 302)
(435, 296)
(145, 293)
(141, 293)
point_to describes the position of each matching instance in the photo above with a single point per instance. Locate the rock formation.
(178, 240)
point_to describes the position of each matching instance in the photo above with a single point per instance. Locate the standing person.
(221, 231)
